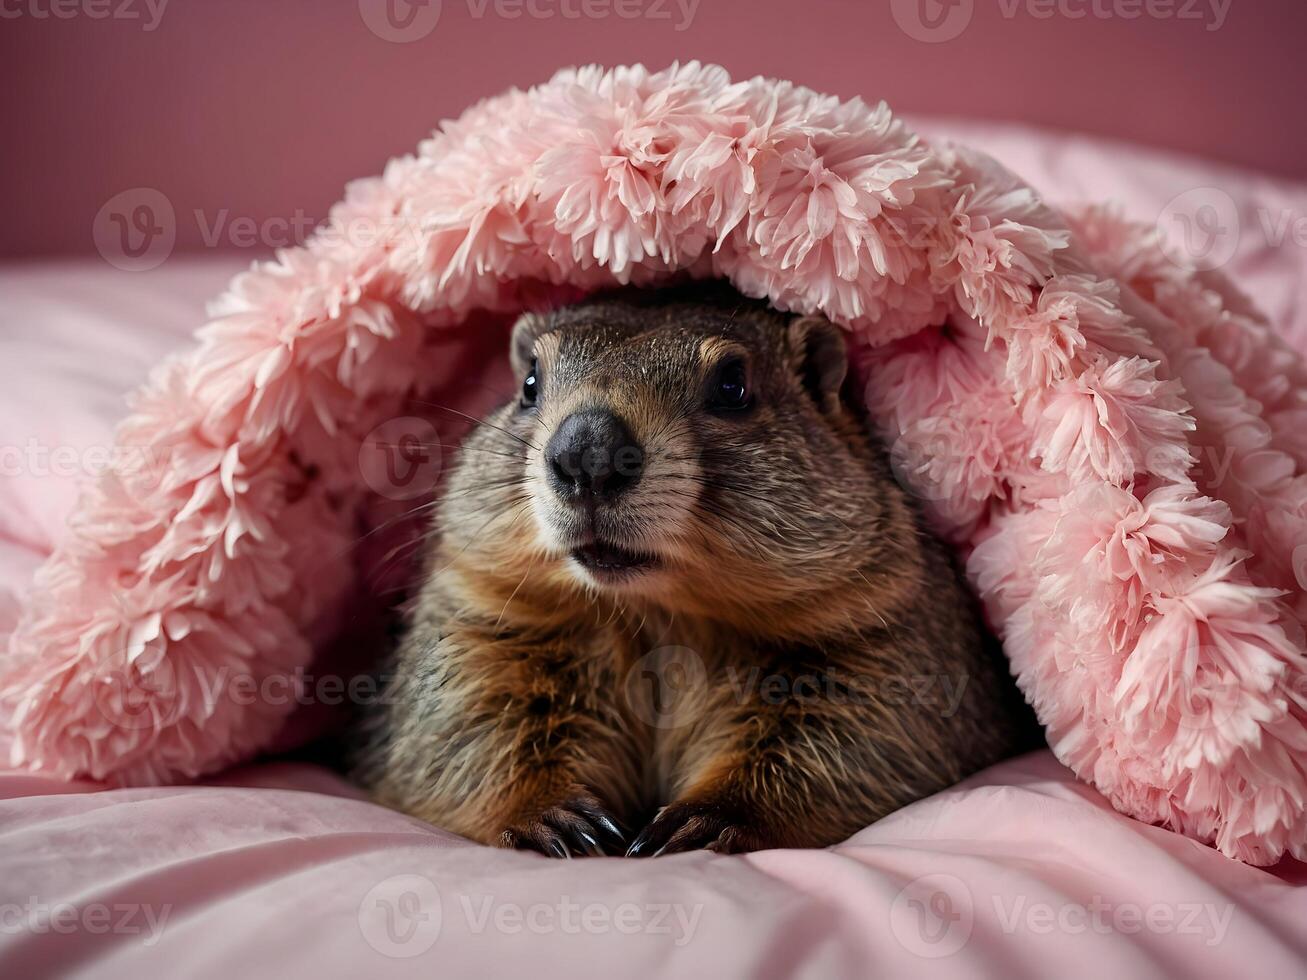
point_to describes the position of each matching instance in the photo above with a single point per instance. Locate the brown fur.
(530, 704)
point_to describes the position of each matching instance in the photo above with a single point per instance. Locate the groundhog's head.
(688, 446)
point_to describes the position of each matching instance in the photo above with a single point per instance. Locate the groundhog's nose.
(593, 454)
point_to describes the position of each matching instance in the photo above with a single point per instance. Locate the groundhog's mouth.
(608, 562)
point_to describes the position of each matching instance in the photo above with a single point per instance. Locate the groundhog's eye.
(531, 386)
(729, 390)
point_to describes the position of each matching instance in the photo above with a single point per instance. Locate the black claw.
(612, 840)
(689, 827)
(645, 842)
(575, 829)
(613, 836)
(579, 826)
(591, 845)
(651, 841)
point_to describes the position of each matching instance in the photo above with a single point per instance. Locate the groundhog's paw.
(698, 826)
(579, 825)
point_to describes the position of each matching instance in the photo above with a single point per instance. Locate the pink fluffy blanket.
(1115, 443)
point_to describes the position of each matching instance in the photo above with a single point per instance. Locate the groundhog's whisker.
(429, 505)
(381, 572)
(513, 595)
(476, 421)
(779, 516)
(497, 484)
(520, 480)
(747, 533)
(714, 480)
(775, 516)
(388, 523)
(463, 448)
(679, 493)
(512, 501)
(515, 507)
(388, 559)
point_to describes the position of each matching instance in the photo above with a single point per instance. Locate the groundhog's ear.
(823, 359)
(528, 327)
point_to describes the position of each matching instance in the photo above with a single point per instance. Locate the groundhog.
(676, 600)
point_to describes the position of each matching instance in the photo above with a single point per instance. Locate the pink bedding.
(278, 868)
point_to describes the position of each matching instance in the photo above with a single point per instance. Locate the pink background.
(249, 109)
